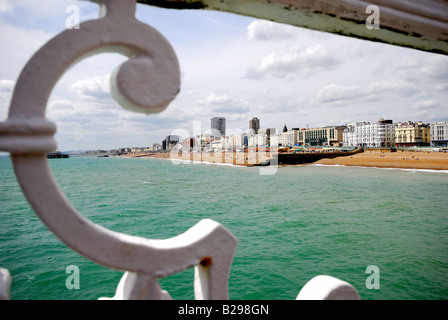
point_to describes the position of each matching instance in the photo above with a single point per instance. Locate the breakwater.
(310, 157)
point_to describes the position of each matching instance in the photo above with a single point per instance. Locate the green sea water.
(298, 223)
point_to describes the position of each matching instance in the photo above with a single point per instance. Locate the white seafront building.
(288, 138)
(262, 138)
(439, 134)
(239, 140)
(366, 134)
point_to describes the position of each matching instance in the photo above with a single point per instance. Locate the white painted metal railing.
(147, 83)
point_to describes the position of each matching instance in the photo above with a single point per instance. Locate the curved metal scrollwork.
(146, 83)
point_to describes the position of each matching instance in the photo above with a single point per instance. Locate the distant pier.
(57, 155)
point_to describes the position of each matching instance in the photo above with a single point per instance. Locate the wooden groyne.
(310, 157)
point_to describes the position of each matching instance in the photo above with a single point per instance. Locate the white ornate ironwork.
(147, 83)
(5, 284)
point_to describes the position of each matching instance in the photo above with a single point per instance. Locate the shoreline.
(395, 160)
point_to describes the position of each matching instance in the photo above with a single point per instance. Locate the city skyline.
(341, 138)
(233, 66)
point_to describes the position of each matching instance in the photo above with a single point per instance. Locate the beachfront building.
(239, 140)
(283, 139)
(124, 150)
(169, 142)
(291, 137)
(137, 149)
(287, 138)
(252, 139)
(349, 139)
(274, 140)
(156, 147)
(320, 136)
(187, 144)
(262, 138)
(202, 141)
(366, 134)
(216, 145)
(300, 136)
(439, 134)
(254, 125)
(226, 142)
(218, 126)
(385, 135)
(233, 141)
(412, 134)
(265, 136)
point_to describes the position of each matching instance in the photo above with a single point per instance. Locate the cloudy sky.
(232, 66)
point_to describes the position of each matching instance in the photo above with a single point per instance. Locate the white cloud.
(93, 88)
(223, 103)
(442, 87)
(418, 67)
(6, 87)
(431, 115)
(63, 105)
(5, 6)
(18, 45)
(382, 90)
(295, 61)
(63, 111)
(426, 104)
(276, 101)
(268, 31)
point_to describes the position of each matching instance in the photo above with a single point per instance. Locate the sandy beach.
(399, 159)
(236, 158)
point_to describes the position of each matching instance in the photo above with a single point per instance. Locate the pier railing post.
(146, 83)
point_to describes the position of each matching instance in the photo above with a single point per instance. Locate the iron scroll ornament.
(147, 83)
